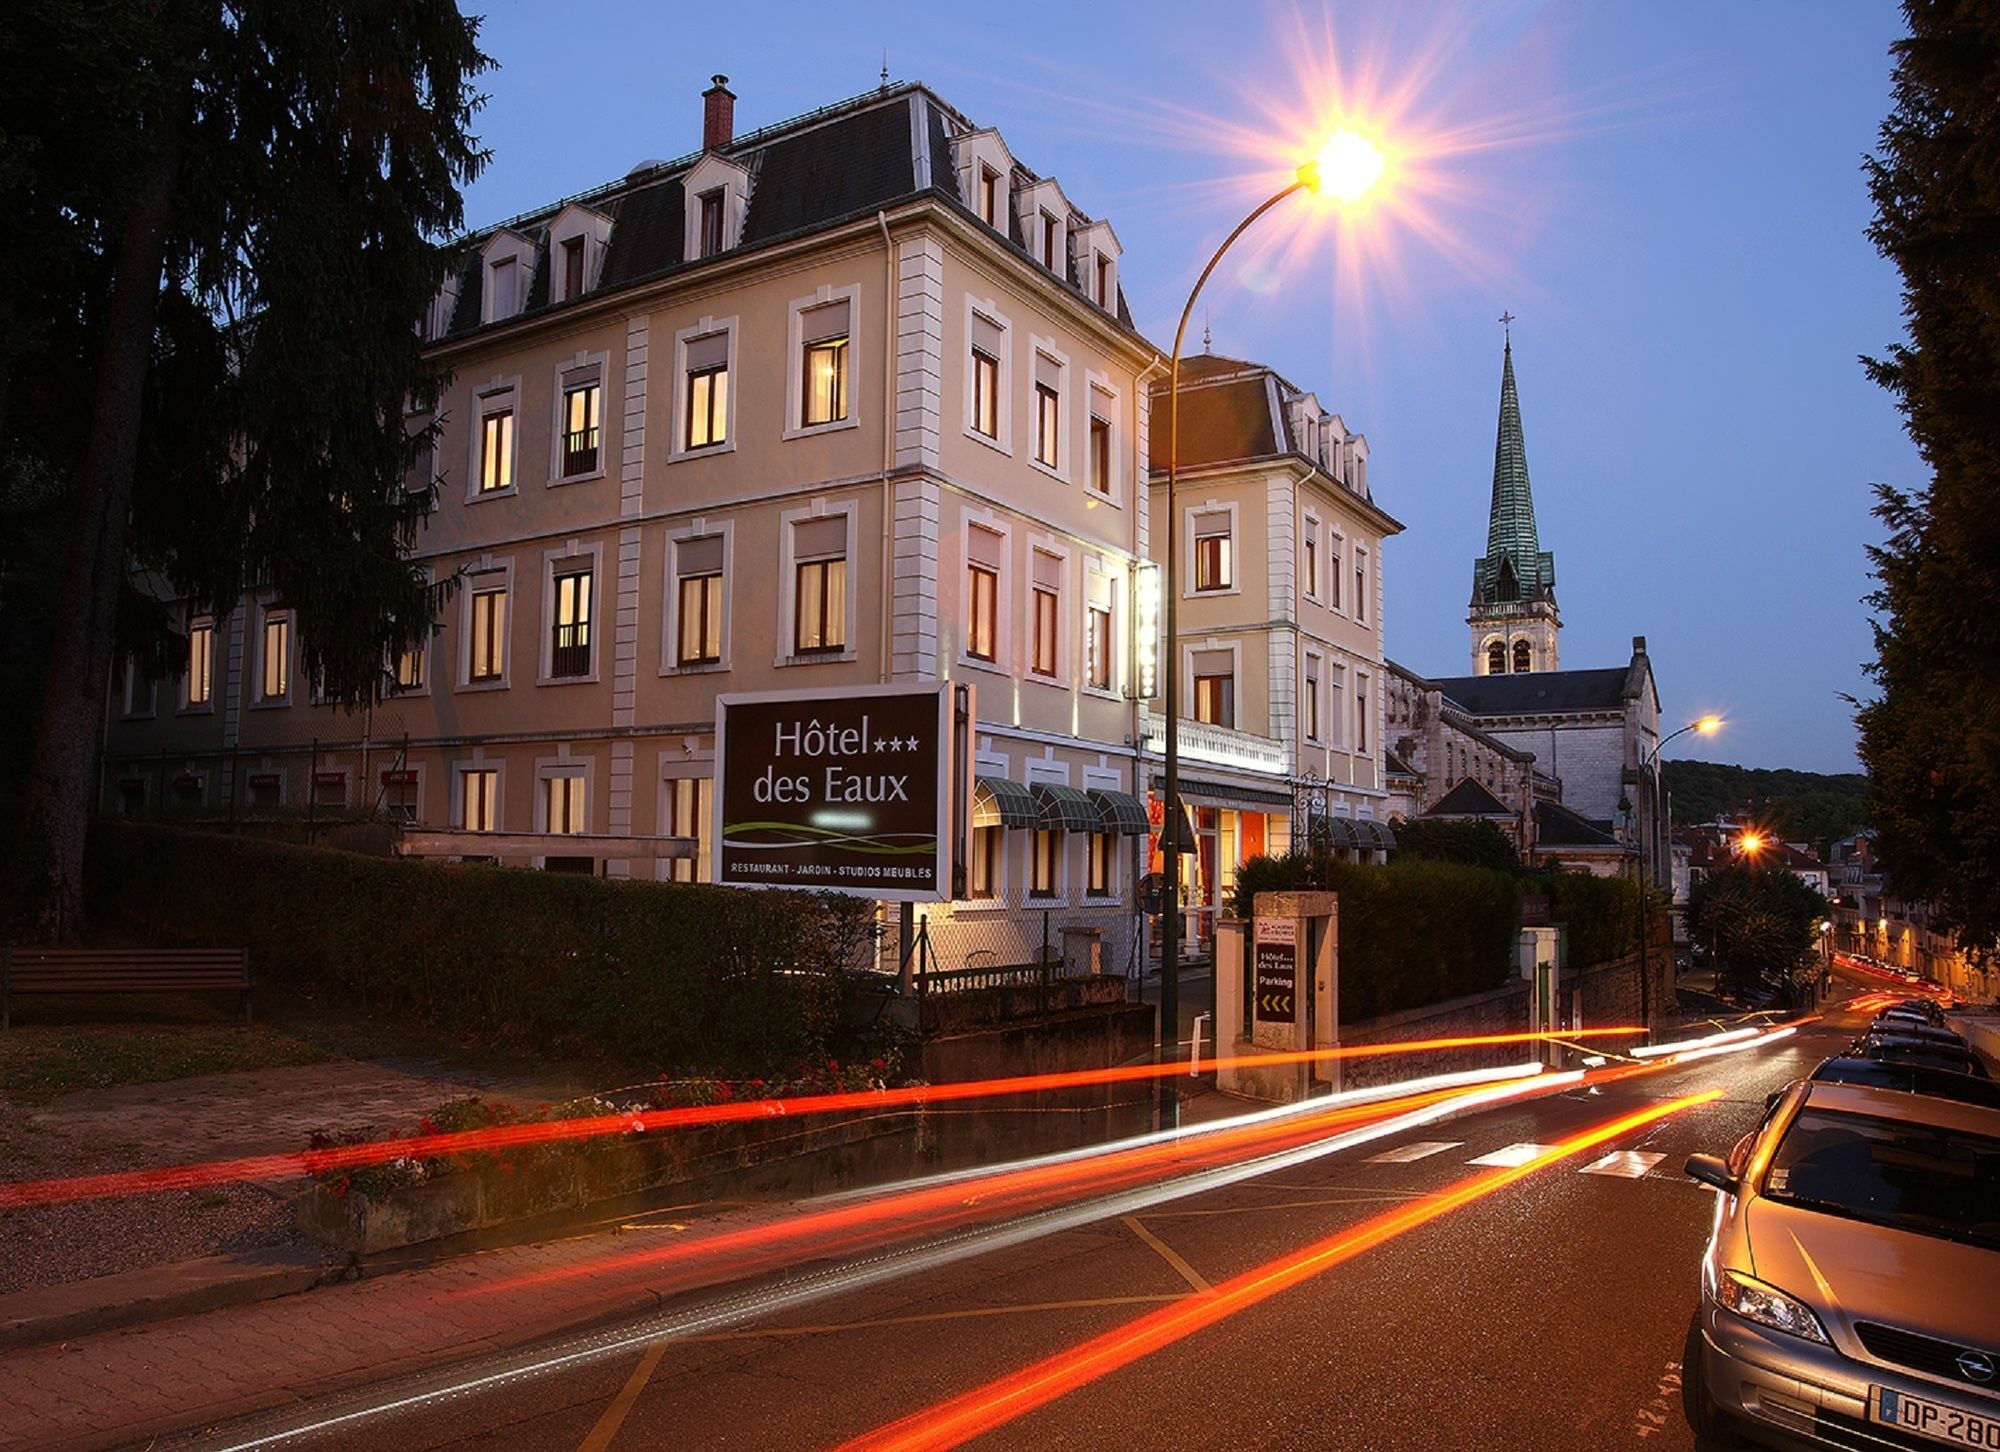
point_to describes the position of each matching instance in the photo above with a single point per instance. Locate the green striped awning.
(1066, 808)
(1120, 813)
(998, 802)
(1378, 834)
(1339, 831)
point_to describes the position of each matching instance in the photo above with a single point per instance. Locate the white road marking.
(1512, 1155)
(1403, 1154)
(1623, 1164)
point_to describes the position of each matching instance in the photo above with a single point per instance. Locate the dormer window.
(503, 278)
(509, 258)
(989, 195)
(1103, 280)
(577, 239)
(1098, 243)
(711, 222)
(1051, 232)
(718, 193)
(572, 266)
(985, 173)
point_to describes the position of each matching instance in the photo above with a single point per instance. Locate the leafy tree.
(1476, 844)
(221, 321)
(1931, 736)
(1755, 920)
(1799, 806)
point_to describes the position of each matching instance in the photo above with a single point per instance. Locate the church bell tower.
(1513, 617)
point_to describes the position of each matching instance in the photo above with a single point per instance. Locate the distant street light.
(1649, 771)
(1348, 167)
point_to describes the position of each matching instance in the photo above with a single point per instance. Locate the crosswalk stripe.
(1512, 1155)
(1403, 1154)
(1624, 1164)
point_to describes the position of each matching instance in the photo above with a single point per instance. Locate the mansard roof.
(1515, 566)
(1539, 693)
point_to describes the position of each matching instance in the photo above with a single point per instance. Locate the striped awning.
(1120, 813)
(1340, 831)
(998, 802)
(1065, 808)
(1378, 834)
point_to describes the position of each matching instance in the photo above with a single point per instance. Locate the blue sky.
(1669, 198)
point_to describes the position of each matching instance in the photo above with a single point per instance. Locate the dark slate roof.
(831, 171)
(1394, 765)
(1221, 422)
(1536, 693)
(1470, 799)
(646, 234)
(1557, 826)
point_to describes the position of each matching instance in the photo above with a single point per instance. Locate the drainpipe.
(888, 441)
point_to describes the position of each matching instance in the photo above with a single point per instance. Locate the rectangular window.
(1099, 645)
(687, 816)
(1360, 586)
(1103, 865)
(1213, 567)
(1045, 613)
(488, 658)
(1309, 561)
(572, 261)
(277, 681)
(1215, 700)
(201, 664)
(569, 647)
(1100, 455)
(989, 196)
(582, 432)
(983, 878)
(711, 222)
(330, 789)
(1049, 242)
(503, 277)
(1103, 281)
(410, 668)
(496, 451)
(982, 591)
(1336, 705)
(565, 801)
(708, 391)
(698, 563)
(986, 394)
(1361, 713)
(399, 795)
(1309, 705)
(819, 609)
(1045, 610)
(479, 799)
(824, 365)
(1045, 864)
(1333, 572)
(1048, 411)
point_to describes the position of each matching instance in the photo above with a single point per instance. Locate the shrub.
(1600, 915)
(1475, 844)
(1412, 933)
(681, 975)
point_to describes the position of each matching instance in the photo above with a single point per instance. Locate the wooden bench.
(122, 970)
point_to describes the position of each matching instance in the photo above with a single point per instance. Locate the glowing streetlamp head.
(1752, 842)
(1708, 725)
(1347, 167)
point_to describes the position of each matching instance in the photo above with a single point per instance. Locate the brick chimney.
(718, 115)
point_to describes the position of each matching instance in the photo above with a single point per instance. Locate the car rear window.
(1919, 1177)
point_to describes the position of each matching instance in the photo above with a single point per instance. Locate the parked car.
(1928, 1008)
(1900, 1049)
(1908, 1026)
(1839, 1303)
(1909, 1079)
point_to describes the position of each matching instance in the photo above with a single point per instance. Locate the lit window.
(569, 648)
(824, 364)
(819, 610)
(565, 803)
(489, 634)
(1045, 608)
(1103, 865)
(1048, 423)
(687, 816)
(479, 800)
(496, 450)
(982, 589)
(1045, 864)
(708, 391)
(277, 679)
(201, 663)
(582, 431)
(1311, 701)
(1309, 561)
(699, 563)
(1100, 455)
(986, 394)
(1215, 699)
(1098, 643)
(983, 880)
(410, 668)
(711, 222)
(1213, 568)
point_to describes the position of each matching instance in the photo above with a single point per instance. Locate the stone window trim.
(1312, 587)
(1002, 561)
(465, 767)
(677, 449)
(585, 368)
(565, 561)
(1043, 547)
(989, 311)
(498, 393)
(714, 173)
(1106, 401)
(510, 254)
(1192, 648)
(185, 676)
(1045, 352)
(699, 529)
(987, 763)
(260, 639)
(690, 762)
(788, 582)
(1100, 577)
(563, 767)
(1364, 582)
(1190, 513)
(385, 790)
(1050, 773)
(1335, 562)
(1312, 705)
(795, 321)
(138, 693)
(573, 222)
(489, 573)
(1099, 778)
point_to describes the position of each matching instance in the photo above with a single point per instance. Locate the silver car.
(1850, 1296)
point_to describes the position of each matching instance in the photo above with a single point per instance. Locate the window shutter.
(699, 556)
(988, 337)
(1048, 372)
(814, 539)
(826, 321)
(1100, 591)
(1048, 570)
(1214, 663)
(985, 547)
(708, 351)
(1210, 524)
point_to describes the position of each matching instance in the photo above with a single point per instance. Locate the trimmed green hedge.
(1411, 933)
(1600, 915)
(684, 976)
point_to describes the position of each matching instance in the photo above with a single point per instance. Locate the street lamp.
(1348, 167)
(1649, 765)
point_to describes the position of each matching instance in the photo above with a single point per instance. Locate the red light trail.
(962, 1418)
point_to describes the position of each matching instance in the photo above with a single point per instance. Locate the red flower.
(834, 1065)
(756, 1083)
(878, 1063)
(723, 1091)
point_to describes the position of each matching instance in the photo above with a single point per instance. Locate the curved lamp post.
(1347, 168)
(1706, 726)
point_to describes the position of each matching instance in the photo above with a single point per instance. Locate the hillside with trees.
(1800, 806)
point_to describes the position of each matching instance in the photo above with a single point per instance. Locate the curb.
(155, 1293)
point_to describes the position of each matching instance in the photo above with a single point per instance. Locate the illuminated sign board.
(850, 791)
(1146, 632)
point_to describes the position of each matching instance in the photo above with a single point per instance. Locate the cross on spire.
(1507, 325)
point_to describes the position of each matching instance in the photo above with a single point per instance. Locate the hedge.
(1411, 933)
(1600, 915)
(682, 976)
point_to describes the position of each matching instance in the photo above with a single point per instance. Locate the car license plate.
(1949, 1425)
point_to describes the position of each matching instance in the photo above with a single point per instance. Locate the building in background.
(1513, 617)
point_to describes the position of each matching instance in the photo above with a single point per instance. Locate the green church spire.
(1514, 566)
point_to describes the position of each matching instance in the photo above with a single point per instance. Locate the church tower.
(1514, 620)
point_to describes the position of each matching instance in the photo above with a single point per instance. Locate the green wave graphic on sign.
(799, 834)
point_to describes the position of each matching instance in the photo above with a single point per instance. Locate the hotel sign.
(851, 791)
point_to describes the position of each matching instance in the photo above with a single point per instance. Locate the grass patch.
(43, 1062)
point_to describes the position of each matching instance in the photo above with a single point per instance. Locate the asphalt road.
(1549, 1314)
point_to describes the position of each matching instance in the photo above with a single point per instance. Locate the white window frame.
(670, 644)
(788, 582)
(1100, 778)
(1192, 512)
(1096, 385)
(1004, 399)
(1065, 672)
(1312, 689)
(984, 147)
(186, 706)
(459, 771)
(576, 220)
(574, 374)
(1311, 532)
(1119, 644)
(505, 247)
(704, 859)
(1189, 649)
(677, 449)
(563, 561)
(1003, 594)
(714, 173)
(986, 763)
(795, 401)
(563, 768)
(1049, 773)
(1336, 561)
(479, 580)
(265, 610)
(1038, 348)
(1364, 580)
(1367, 738)
(130, 706)
(498, 394)
(1339, 703)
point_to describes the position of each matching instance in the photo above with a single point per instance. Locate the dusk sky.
(1669, 199)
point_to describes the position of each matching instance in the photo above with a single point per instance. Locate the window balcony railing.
(1221, 745)
(570, 654)
(579, 452)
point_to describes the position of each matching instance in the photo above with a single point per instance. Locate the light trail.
(1001, 1401)
(291, 1164)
